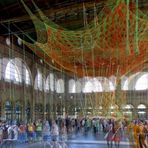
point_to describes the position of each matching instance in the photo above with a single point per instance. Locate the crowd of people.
(55, 132)
(40, 131)
(135, 131)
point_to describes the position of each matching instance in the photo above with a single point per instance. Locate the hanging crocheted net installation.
(116, 40)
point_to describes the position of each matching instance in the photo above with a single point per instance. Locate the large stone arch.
(20, 64)
(21, 61)
(39, 82)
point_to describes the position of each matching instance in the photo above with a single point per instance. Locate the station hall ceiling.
(106, 58)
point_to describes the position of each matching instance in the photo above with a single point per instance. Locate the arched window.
(107, 84)
(8, 42)
(16, 70)
(128, 106)
(51, 81)
(25, 72)
(111, 86)
(27, 77)
(141, 106)
(39, 81)
(47, 84)
(88, 87)
(127, 83)
(114, 106)
(72, 86)
(142, 82)
(124, 83)
(112, 82)
(97, 87)
(60, 86)
(141, 111)
(12, 72)
(92, 85)
(78, 86)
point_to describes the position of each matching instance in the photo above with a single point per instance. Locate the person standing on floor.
(117, 134)
(55, 134)
(142, 136)
(63, 135)
(109, 135)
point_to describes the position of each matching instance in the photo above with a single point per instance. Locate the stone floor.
(75, 140)
(74, 144)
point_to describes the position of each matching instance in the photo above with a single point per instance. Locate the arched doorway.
(28, 111)
(8, 110)
(39, 111)
(17, 111)
(128, 110)
(141, 111)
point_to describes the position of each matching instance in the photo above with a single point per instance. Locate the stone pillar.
(33, 98)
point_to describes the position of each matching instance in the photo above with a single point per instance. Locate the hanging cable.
(10, 73)
(127, 27)
(24, 108)
(136, 29)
